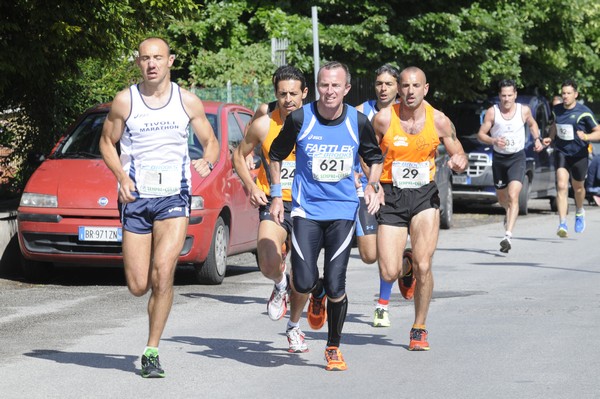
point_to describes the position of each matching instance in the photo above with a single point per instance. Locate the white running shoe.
(295, 338)
(277, 304)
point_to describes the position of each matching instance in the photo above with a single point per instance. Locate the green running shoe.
(151, 366)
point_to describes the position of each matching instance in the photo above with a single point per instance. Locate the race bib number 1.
(332, 167)
(410, 174)
(158, 180)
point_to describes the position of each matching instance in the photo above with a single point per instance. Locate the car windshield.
(194, 147)
(467, 117)
(84, 140)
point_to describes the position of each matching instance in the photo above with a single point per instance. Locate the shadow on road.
(94, 360)
(86, 275)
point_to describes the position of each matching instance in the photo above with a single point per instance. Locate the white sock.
(580, 211)
(282, 285)
(291, 324)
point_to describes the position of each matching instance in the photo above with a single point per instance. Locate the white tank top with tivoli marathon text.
(154, 146)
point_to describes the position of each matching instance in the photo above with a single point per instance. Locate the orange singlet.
(288, 166)
(409, 158)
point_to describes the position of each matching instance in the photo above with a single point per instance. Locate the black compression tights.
(336, 316)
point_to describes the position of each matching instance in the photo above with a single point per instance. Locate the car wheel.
(524, 197)
(446, 205)
(212, 271)
(35, 271)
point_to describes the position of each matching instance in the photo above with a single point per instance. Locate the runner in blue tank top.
(329, 137)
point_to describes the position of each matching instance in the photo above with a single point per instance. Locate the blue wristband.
(275, 190)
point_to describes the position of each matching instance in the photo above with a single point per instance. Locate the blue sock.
(385, 290)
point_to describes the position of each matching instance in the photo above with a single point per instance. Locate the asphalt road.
(521, 325)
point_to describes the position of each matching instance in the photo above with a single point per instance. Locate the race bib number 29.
(332, 167)
(410, 174)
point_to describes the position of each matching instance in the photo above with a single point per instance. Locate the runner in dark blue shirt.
(570, 132)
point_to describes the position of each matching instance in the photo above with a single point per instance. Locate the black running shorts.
(507, 168)
(402, 204)
(265, 214)
(577, 166)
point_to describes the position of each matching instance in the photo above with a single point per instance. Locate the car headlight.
(39, 200)
(197, 202)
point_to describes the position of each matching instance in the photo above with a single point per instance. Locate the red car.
(68, 211)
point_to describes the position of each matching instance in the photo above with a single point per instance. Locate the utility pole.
(315, 29)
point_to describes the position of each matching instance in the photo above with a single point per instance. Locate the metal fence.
(253, 95)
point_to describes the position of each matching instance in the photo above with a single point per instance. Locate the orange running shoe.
(418, 340)
(335, 360)
(317, 312)
(407, 282)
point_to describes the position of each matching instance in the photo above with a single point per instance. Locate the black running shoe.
(151, 367)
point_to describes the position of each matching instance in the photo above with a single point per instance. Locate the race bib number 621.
(332, 166)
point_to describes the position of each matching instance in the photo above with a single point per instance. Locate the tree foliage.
(45, 45)
(465, 47)
(61, 56)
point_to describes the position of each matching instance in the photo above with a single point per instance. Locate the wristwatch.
(375, 186)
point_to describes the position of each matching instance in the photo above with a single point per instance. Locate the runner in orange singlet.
(409, 134)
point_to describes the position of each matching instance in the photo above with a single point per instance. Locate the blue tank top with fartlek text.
(326, 155)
